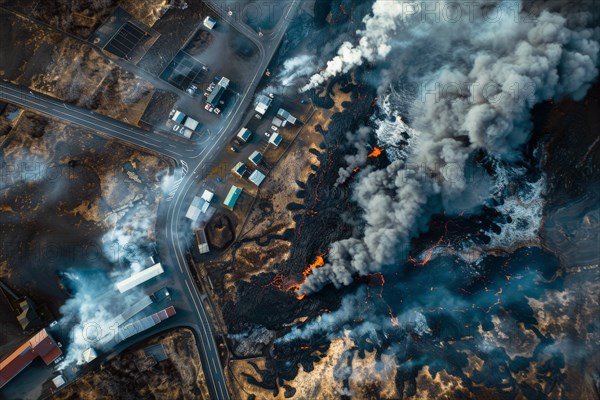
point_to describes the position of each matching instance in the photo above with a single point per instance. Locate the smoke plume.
(472, 79)
(90, 313)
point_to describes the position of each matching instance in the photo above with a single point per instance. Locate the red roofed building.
(40, 345)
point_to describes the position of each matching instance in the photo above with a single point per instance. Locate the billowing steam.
(472, 81)
(375, 40)
(90, 313)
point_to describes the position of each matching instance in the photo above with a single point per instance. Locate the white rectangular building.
(209, 22)
(139, 278)
(191, 123)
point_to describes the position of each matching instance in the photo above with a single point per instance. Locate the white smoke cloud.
(90, 313)
(476, 81)
(296, 68)
(374, 42)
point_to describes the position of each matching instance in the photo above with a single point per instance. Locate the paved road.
(93, 121)
(173, 230)
(190, 186)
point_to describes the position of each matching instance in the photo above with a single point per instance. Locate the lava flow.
(428, 255)
(287, 285)
(319, 262)
(376, 152)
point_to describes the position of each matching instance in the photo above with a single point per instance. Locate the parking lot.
(124, 36)
(184, 71)
(125, 41)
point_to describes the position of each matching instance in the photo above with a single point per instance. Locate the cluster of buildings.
(198, 213)
(40, 345)
(282, 119)
(182, 124)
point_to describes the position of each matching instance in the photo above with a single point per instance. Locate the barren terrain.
(134, 375)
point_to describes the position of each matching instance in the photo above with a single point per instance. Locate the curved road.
(174, 243)
(176, 223)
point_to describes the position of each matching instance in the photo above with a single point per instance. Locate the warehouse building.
(145, 323)
(215, 96)
(286, 116)
(178, 116)
(89, 355)
(202, 241)
(40, 345)
(139, 278)
(191, 123)
(232, 197)
(199, 205)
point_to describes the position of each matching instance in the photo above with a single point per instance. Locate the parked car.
(267, 134)
(53, 324)
(274, 128)
(176, 128)
(234, 149)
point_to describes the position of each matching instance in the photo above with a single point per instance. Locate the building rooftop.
(275, 139)
(244, 134)
(195, 209)
(209, 22)
(145, 323)
(40, 345)
(28, 317)
(178, 117)
(255, 158)
(202, 241)
(232, 197)
(240, 169)
(58, 381)
(257, 177)
(208, 195)
(286, 116)
(224, 82)
(215, 96)
(139, 278)
(191, 123)
(89, 354)
(262, 104)
(185, 132)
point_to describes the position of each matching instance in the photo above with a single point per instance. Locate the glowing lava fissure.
(376, 152)
(286, 285)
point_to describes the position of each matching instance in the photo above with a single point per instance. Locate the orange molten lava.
(428, 255)
(285, 285)
(319, 262)
(376, 152)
